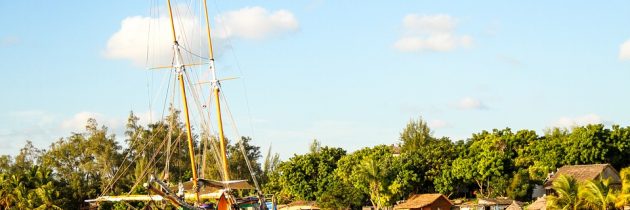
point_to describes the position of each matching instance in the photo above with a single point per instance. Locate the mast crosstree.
(216, 91)
(180, 70)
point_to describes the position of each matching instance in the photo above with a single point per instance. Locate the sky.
(348, 73)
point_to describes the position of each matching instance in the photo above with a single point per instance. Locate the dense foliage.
(500, 162)
(91, 163)
(493, 163)
(590, 194)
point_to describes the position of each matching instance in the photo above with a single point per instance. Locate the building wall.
(610, 173)
(538, 191)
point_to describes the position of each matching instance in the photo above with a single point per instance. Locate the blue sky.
(348, 73)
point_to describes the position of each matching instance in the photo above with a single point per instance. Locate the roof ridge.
(595, 164)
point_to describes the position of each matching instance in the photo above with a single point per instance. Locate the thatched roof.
(580, 172)
(420, 200)
(514, 206)
(539, 204)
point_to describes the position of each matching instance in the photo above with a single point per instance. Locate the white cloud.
(430, 33)
(136, 33)
(78, 122)
(256, 23)
(470, 103)
(437, 124)
(624, 51)
(568, 122)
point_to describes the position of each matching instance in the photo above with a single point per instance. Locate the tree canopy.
(500, 162)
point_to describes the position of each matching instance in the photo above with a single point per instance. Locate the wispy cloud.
(9, 41)
(415, 109)
(569, 122)
(345, 134)
(624, 51)
(314, 4)
(43, 128)
(430, 33)
(437, 124)
(469, 103)
(78, 122)
(35, 125)
(256, 23)
(510, 60)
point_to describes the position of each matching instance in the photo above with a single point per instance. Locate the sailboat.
(199, 190)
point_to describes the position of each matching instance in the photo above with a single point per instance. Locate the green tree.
(489, 160)
(47, 194)
(448, 181)
(339, 195)
(620, 146)
(372, 171)
(5, 163)
(315, 146)
(28, 157)
(32, 188)
(305, 177)
(519, 188)
(271, 163)
(588, 144)
(6, 191)
(236, 160)
(415, 135)
(540, 156)
(423, 160)
(84, 161)
(377, 175)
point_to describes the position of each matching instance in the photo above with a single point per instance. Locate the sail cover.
(214, 185)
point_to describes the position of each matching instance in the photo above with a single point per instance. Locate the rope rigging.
(120, 173)
(206, 136)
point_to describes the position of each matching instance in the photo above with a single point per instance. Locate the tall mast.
(179, 68)
(215, 90)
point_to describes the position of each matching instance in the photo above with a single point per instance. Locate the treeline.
(91, 163)
(493, 163)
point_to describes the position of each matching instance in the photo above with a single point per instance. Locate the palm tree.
(6, 196)
(566, 197)
(597, 194)
(623, 196)
(47, 195)
(373, 174)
